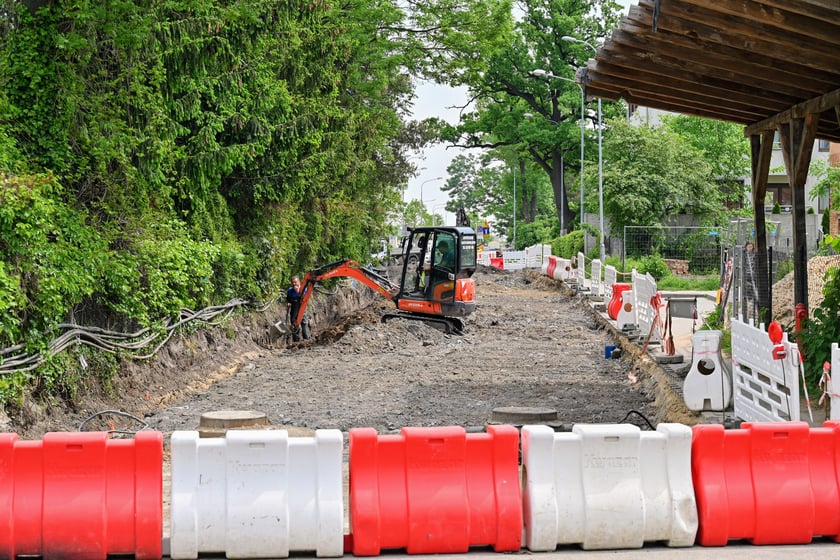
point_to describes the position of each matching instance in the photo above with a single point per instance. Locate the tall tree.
(539, 114)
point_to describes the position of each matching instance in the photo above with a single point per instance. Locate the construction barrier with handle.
(608, 486)
(81, 495)
(768, 482)
(257, 494)
(435, 490)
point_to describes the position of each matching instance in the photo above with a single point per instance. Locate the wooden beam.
(825, 10)
(617, 78)
(812, 106)
(797, 136)
(777, 47)
(676, 65)
(751, 66)
(743, 27)
(761, 147)
(783, 20)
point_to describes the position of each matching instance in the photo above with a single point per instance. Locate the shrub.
(822, 328)
(654, 265)
(567, 246)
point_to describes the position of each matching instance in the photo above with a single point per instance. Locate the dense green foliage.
(537, 118)
(822, 328)
(653, 174)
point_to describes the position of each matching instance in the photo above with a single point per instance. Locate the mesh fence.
(724, 251)
(740, 265)
(687, 250)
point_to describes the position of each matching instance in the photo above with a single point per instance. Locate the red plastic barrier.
(614, 306)
(551, 267)
(81, 495)
(435, 490)
(768, 483)
(498, 262)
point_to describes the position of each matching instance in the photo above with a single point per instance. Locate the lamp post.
(421, 189)
(571, 39)
(514, 205)
(540, 72)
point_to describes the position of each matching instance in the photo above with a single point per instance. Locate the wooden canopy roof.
(753, 62)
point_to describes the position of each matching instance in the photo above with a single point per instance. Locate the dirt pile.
(783, 303)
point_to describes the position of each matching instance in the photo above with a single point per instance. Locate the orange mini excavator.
(436, 288)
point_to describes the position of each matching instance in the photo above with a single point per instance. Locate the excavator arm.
(343, 268)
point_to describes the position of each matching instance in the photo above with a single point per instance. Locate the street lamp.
(421, 189)
(540, 72)
(571, 39)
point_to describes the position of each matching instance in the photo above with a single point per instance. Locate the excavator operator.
(440, 278)
(445, 256)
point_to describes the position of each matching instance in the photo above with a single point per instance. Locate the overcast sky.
(442, 102)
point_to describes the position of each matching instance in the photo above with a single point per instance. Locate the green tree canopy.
(651, 173)
(538, 116)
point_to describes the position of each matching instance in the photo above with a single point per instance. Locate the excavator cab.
(439, 283)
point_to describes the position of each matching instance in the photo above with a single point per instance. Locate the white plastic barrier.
(707, 386)
(626, 318)
(610, 278)
(514, 260)
(537, 255)
(608, 486)
(833, 388)
(765, 390)
(563, 269)
(484, 258)
(580, 271)
(257, 494)
(595, 278)
(644, 290)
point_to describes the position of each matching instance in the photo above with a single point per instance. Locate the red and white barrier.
(768, 483)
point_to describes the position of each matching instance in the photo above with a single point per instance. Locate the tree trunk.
(558, 185)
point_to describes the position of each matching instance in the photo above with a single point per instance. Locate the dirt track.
(529, 344)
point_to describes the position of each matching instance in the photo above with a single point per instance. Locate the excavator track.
(449, 325)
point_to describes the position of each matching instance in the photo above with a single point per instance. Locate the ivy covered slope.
(161, 154)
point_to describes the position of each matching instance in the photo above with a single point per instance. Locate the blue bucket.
(608, 350)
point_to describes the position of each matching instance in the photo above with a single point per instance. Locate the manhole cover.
(523, 415)
(216, 423)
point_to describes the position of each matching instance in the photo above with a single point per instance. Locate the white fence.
(534, 256)
(765, 389)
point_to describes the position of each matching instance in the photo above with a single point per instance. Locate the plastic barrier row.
(262, 494)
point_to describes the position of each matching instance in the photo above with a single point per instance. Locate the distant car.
(383, 253)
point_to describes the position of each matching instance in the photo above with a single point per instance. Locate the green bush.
(676, 283)
(715, 321)
(164, 271)
(50, 258)
(821, 329)
(568, 246)
(653, 265)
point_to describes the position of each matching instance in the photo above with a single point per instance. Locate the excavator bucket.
(280, 328)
